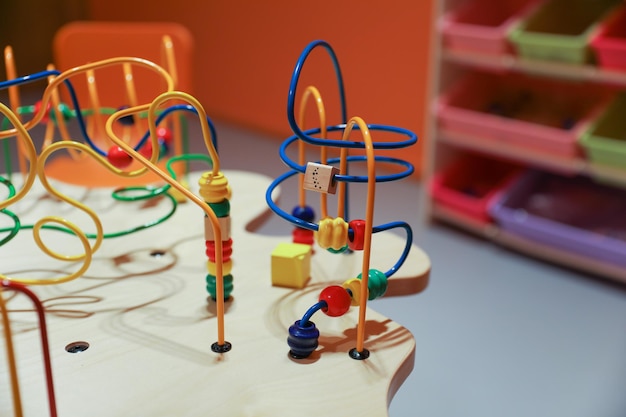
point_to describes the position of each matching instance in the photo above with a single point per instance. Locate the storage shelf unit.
(444, 143)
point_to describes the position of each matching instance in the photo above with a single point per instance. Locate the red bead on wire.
(227, 250)
(46, 115)
(304, 236)
(146, 149)
(356, 241)
(164, 135)
(337, 300)
(118, 157)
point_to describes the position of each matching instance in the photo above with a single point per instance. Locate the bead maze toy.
(335, 234)
(121, 314)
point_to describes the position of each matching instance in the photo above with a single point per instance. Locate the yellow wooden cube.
(291, 265)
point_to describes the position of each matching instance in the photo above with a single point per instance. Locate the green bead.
(376, 283)
(211, 286)
(221, 209)
(340, 250)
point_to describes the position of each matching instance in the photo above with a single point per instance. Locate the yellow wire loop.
(27, 145)
(312, 91)
(85, 257)
(56, 82)
(369, 219)
(150, 164)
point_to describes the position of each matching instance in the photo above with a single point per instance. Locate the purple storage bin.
(574, 214)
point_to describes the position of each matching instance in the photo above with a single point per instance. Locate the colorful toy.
(336, 234)
(128, 310)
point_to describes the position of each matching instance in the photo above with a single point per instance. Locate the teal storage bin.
(560, 30)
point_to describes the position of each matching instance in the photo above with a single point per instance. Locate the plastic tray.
(560, 30)
(609, 43)
(532, 113)
(605, 142)
(470, 182)
(572, 214)
(482, 25)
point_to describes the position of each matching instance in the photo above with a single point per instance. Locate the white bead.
(224, 226)
(320, 178)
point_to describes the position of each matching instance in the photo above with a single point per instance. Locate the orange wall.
(246, 51)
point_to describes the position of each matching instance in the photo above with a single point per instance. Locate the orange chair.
(168, 45)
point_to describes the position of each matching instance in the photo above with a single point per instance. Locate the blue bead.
(302, 339)
(305, 213)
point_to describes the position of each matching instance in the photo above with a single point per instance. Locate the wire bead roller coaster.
(336, 234)
(133, 140)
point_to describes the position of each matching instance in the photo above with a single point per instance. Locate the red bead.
(118, 157)
(45, 117)
(356, 241)
(337, 299)
(164, 134)
(146, 149)
(304, 236)
(227, 250)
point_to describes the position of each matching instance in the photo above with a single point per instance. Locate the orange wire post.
(169, 61)
(321, 111)
(14, 100)
(149, 164)
(369, 219)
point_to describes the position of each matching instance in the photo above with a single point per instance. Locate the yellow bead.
(226, 267)
(354, 286)
(332, 233)
(214, 188)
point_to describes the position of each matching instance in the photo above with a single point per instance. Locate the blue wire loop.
(307, 136)
(295, 77)
(79, 115)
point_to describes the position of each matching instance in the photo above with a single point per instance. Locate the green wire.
(186, 158)
(116, 194)
(14, 230)
(16, 220)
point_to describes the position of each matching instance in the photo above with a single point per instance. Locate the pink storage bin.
(513, 109)
(609, 43)
(470, 183)
(482, 25)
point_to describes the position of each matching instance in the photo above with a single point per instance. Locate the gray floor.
(498, 334)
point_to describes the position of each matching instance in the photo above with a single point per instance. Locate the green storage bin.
(605, 141)
(560, 30)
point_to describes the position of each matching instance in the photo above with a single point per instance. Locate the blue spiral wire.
(307, 137)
